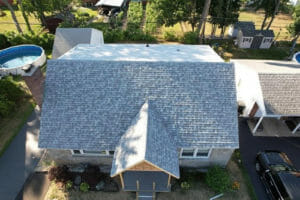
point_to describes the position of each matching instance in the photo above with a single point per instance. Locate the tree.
(294, 29)
(203, 19)
(174, 11)
(24, 16)
(13, 15)
(271, 8)
(223, 13)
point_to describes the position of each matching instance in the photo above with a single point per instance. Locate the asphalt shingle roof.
(281, 93)
(146, 139)
(248, 29)
(90, 104)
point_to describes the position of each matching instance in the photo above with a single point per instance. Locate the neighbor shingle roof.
(281, 93)
(248, 29)
(146, 139)
(90, 104)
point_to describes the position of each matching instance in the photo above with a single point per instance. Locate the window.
(195, 153)
(187, 153)
(202, 153)
(92, 153)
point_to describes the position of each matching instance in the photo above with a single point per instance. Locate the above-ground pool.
(296, 57)
(22, 60)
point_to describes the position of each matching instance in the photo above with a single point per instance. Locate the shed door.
(256, 42)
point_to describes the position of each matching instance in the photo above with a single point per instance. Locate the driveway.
(20, 158)
(250, 145)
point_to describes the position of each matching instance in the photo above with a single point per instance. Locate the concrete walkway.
(20, 158)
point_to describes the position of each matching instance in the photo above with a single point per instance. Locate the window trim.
(90, 154)
(195, 153)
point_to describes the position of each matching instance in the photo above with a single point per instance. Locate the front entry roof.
(146, 140)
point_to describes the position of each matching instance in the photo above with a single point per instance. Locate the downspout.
(257, 125)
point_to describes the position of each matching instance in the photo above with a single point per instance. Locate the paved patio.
(272, 127)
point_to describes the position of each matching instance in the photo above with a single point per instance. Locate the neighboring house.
(248, 37)
(269, 89)
(112, 3)
(295, 2)
(143, 110)
(67, 38)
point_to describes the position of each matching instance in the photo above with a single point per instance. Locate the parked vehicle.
(279, 176)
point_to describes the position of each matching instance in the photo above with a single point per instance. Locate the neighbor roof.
(140, 52)
(112, 3)
(248, 29)
(146, 139)
(67, 38)
(90, 104)
(281, 93)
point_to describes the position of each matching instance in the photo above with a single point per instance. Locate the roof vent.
(147, 45)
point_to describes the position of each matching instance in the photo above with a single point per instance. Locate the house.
(112, 3)
(248, 37)
(143, 110)
(67, 38)
(269, 90)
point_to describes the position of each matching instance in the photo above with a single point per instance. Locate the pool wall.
(20, 69)
(296, 57)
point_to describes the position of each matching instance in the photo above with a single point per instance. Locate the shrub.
(69, 185)
(190, 38)
(170, 36)
(113, 35)
(152, 17)
(218, 179)
(236, 185)
(138, 36)
(134, 16)
(3, 41)
(84, 187)
(59, 174)
(185, 185)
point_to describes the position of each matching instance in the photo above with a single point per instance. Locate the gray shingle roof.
(146, 139)
(67, 38)
(90, 104)
(281, 93)
(248, 29)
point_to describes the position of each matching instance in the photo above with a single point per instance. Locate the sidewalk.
(20, 158)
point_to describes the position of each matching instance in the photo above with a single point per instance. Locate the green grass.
(274, 53)
(11, 125)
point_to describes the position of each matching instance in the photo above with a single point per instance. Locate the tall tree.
(203, 19)
(13, 15)
(294, 29)
(24, 16)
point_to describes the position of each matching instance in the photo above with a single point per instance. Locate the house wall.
(217, 157)
(233, 32)
(96, 37)
(244, 42)
(266, 42)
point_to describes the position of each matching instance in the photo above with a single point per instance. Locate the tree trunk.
(274, 14)
(202, 36)
(213, 30)
(203, 16)
(13, 15)
(223, 31)
(294, 45)
(40, 13)
(25, 16)
(264, 22)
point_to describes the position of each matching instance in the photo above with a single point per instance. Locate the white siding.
(97, 37)
(266, 43)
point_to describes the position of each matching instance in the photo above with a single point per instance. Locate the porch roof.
(146, 139)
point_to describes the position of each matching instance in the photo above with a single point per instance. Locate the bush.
(138, 36)
(190, 38)
(69, 185)
(44, 40)
(185, 185)
(84, 187)
(113, 35)
(170, 36)
(152, 17)
(3, 41)
(59, 174)
(218, 179)
(134, 16)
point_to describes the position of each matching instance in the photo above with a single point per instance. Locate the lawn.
(10, 126)
(6, 22)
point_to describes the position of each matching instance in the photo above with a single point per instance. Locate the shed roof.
(67, 38)
(146, 139)
(248, 29)
(281, 93)
(90, 104)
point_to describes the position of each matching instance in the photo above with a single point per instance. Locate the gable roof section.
(281, 93)
(113, 3)
(90, 104)
(67, 38)
(146, 139)
(247, 27)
